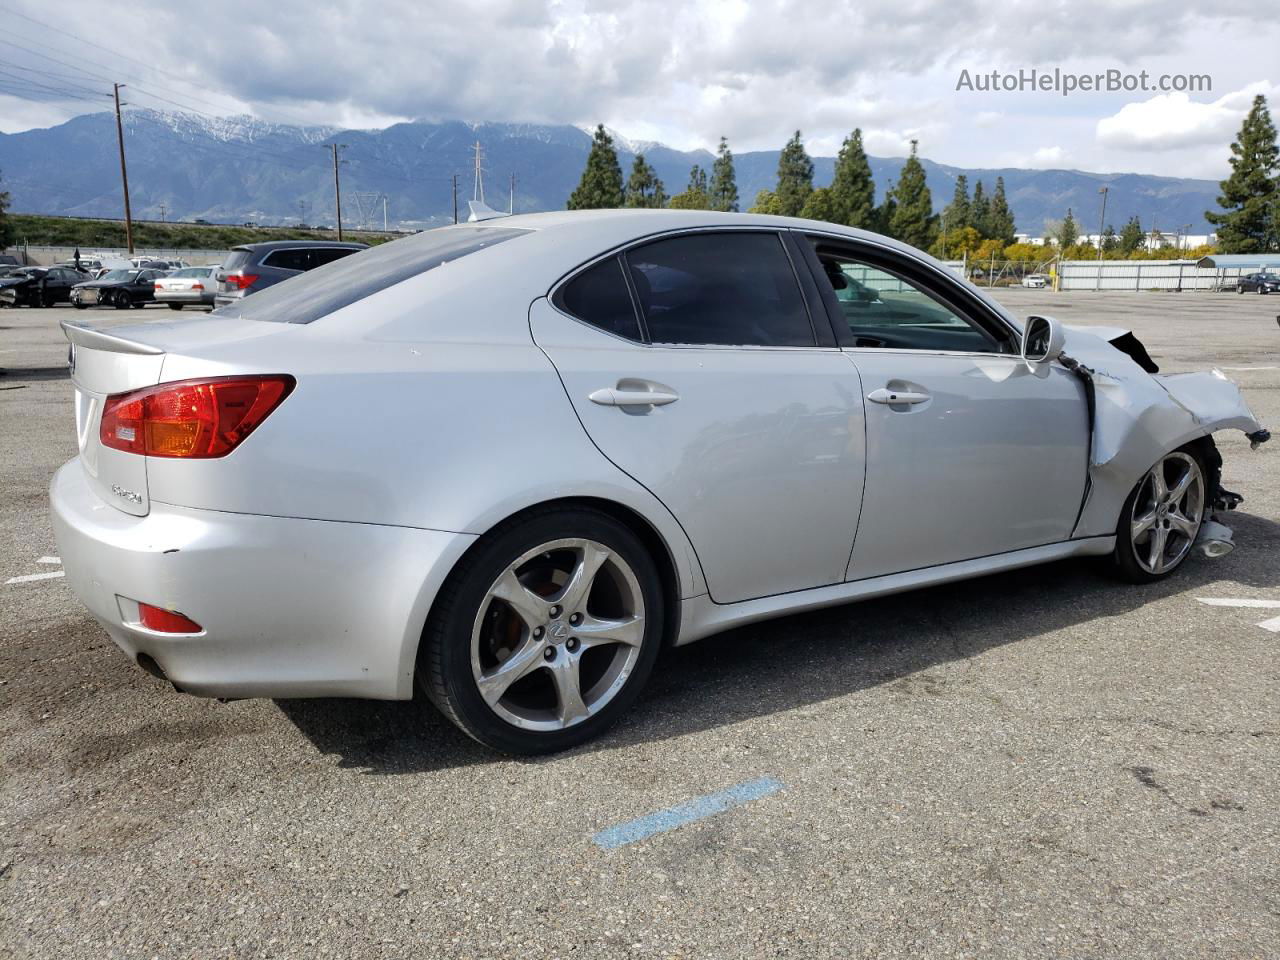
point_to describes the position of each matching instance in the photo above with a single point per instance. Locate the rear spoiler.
(95, 339)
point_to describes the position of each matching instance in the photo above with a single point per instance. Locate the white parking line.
(1240, 602)
(57, 560)
(1272, 625)
(35, 576)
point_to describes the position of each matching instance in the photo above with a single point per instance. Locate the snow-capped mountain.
(237, 169)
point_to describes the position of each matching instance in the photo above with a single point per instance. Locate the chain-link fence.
(1109, 275)
(44, 256)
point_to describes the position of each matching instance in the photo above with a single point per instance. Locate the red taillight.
(242, 281)
(196, 419)
(197, 286)
(158, 286)
(166, 621)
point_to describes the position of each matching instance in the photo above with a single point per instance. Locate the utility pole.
(511, 200)
(124, 173)
(337, 190)
(1102, 220)
(454, 179)
(384, 213)
(162, 211)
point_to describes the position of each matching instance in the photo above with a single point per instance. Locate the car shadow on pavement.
(790, 662)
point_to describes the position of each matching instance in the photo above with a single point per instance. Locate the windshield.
(321, 291)
(120, 275)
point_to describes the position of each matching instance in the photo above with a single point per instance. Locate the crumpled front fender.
(1139, 417)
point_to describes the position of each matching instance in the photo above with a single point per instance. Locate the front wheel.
(545, 633)
(1161, 518)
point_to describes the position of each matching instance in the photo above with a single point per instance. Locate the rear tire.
(175, 306)
(1162, 517)
(545, 633)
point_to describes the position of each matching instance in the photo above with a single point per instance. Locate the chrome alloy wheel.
(1167, 513)
(558, 634)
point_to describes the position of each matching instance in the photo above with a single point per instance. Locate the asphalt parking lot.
(1038, 764)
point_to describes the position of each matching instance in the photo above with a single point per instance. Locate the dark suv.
(256, 266)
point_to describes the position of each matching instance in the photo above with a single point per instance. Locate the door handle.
(614, 397)
(885, 395)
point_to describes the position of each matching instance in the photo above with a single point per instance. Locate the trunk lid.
(103, 364)
(108, 359)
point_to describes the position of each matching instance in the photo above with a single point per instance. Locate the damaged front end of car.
(1137, 415)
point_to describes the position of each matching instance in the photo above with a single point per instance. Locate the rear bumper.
(289, 607)
(184, 296)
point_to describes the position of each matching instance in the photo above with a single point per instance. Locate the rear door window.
(288, 260)
(720, 288)
(317, 293)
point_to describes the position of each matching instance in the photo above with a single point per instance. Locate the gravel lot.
(1044, 763)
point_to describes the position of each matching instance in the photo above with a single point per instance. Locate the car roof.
(268, 245)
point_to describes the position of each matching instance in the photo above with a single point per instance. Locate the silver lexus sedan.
(507, 462)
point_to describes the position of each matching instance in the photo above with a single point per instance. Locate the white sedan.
(509, 461)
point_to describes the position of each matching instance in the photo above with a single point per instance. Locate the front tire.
(546, 632)
(1161, 518)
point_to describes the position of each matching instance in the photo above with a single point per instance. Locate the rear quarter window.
(322, 291)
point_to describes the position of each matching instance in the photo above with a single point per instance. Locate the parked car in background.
(117, 288)
(1036, 280)
(86, 265)
(1259, 283)
(191, 286)
(255, 266)
(38, 286)
(157, 263)
(9, 260)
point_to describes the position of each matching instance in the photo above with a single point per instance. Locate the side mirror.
(1042, 340)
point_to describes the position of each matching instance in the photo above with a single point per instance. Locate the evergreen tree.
(820, 206)
(795, 177)
(1247, 223)
(999, 218)
(601, 184)
(1068, 232)
(886, 210)
(1131, 237)
(980, 210)
(958, 213)
(766, 202)
(853, 191)
(6, 228)
(644, 189)
(913, 221)
(724, 183)
(1110, 242)
(695, 196)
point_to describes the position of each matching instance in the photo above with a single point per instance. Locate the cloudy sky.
(678, 72)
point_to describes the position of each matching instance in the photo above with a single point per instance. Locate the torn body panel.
(1139, 417)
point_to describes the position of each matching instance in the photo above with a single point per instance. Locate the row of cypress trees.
(906, 211)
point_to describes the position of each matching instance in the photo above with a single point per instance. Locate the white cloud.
(1046, 158)
(684, 74)
(1174, 120)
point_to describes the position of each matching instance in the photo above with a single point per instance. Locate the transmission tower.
(367, 203)
(477, 191)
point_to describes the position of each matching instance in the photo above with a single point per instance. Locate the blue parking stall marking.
(690, 811)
